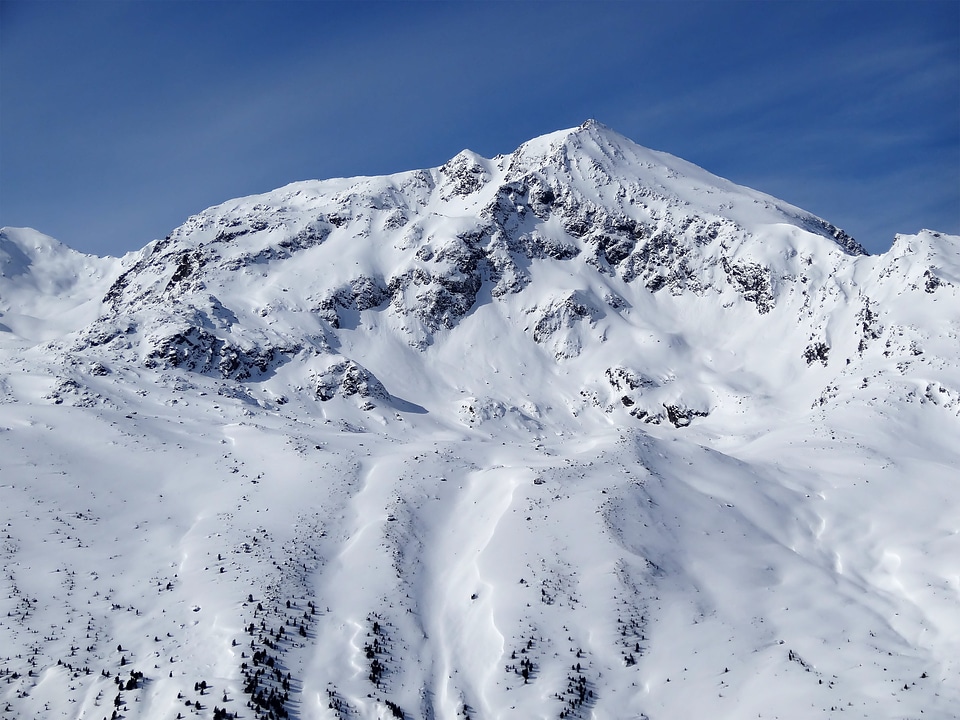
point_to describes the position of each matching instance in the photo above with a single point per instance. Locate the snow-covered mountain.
(580, 431)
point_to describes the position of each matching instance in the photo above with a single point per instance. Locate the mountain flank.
(582, 431)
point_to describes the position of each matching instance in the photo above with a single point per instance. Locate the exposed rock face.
(199, 350)
(752, 281)
(362, 293)
(566, 239)
(556, 319)
(345, 379)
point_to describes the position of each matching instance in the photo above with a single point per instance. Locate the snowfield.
(577, 432)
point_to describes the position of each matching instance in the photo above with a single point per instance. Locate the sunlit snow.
(579, 432)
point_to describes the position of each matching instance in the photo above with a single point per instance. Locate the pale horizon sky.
(118, 120)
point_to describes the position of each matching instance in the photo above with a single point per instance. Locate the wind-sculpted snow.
(578, 432)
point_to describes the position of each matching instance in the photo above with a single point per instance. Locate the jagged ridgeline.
(578, 239)
(582, 431)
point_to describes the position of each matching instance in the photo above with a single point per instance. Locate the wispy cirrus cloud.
(166, 108)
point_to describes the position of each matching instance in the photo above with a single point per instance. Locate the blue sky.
(120, 119)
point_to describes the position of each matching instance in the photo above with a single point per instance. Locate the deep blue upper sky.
(120, 119)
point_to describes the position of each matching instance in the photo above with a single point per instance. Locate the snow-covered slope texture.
(47, 289)
(578, 432)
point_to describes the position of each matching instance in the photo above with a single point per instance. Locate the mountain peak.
(589, 136)
(605, 168)
(590, 128)
(504, 438)
(600, 133)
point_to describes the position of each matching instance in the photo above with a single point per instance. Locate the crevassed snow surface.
(579, 432)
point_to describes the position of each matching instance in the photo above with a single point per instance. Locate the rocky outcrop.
(752, 282)
(199, 350)
(362, 293)
(347, 378)
(557, 323)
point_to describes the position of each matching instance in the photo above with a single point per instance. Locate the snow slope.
(581, 431)
(47, 289)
